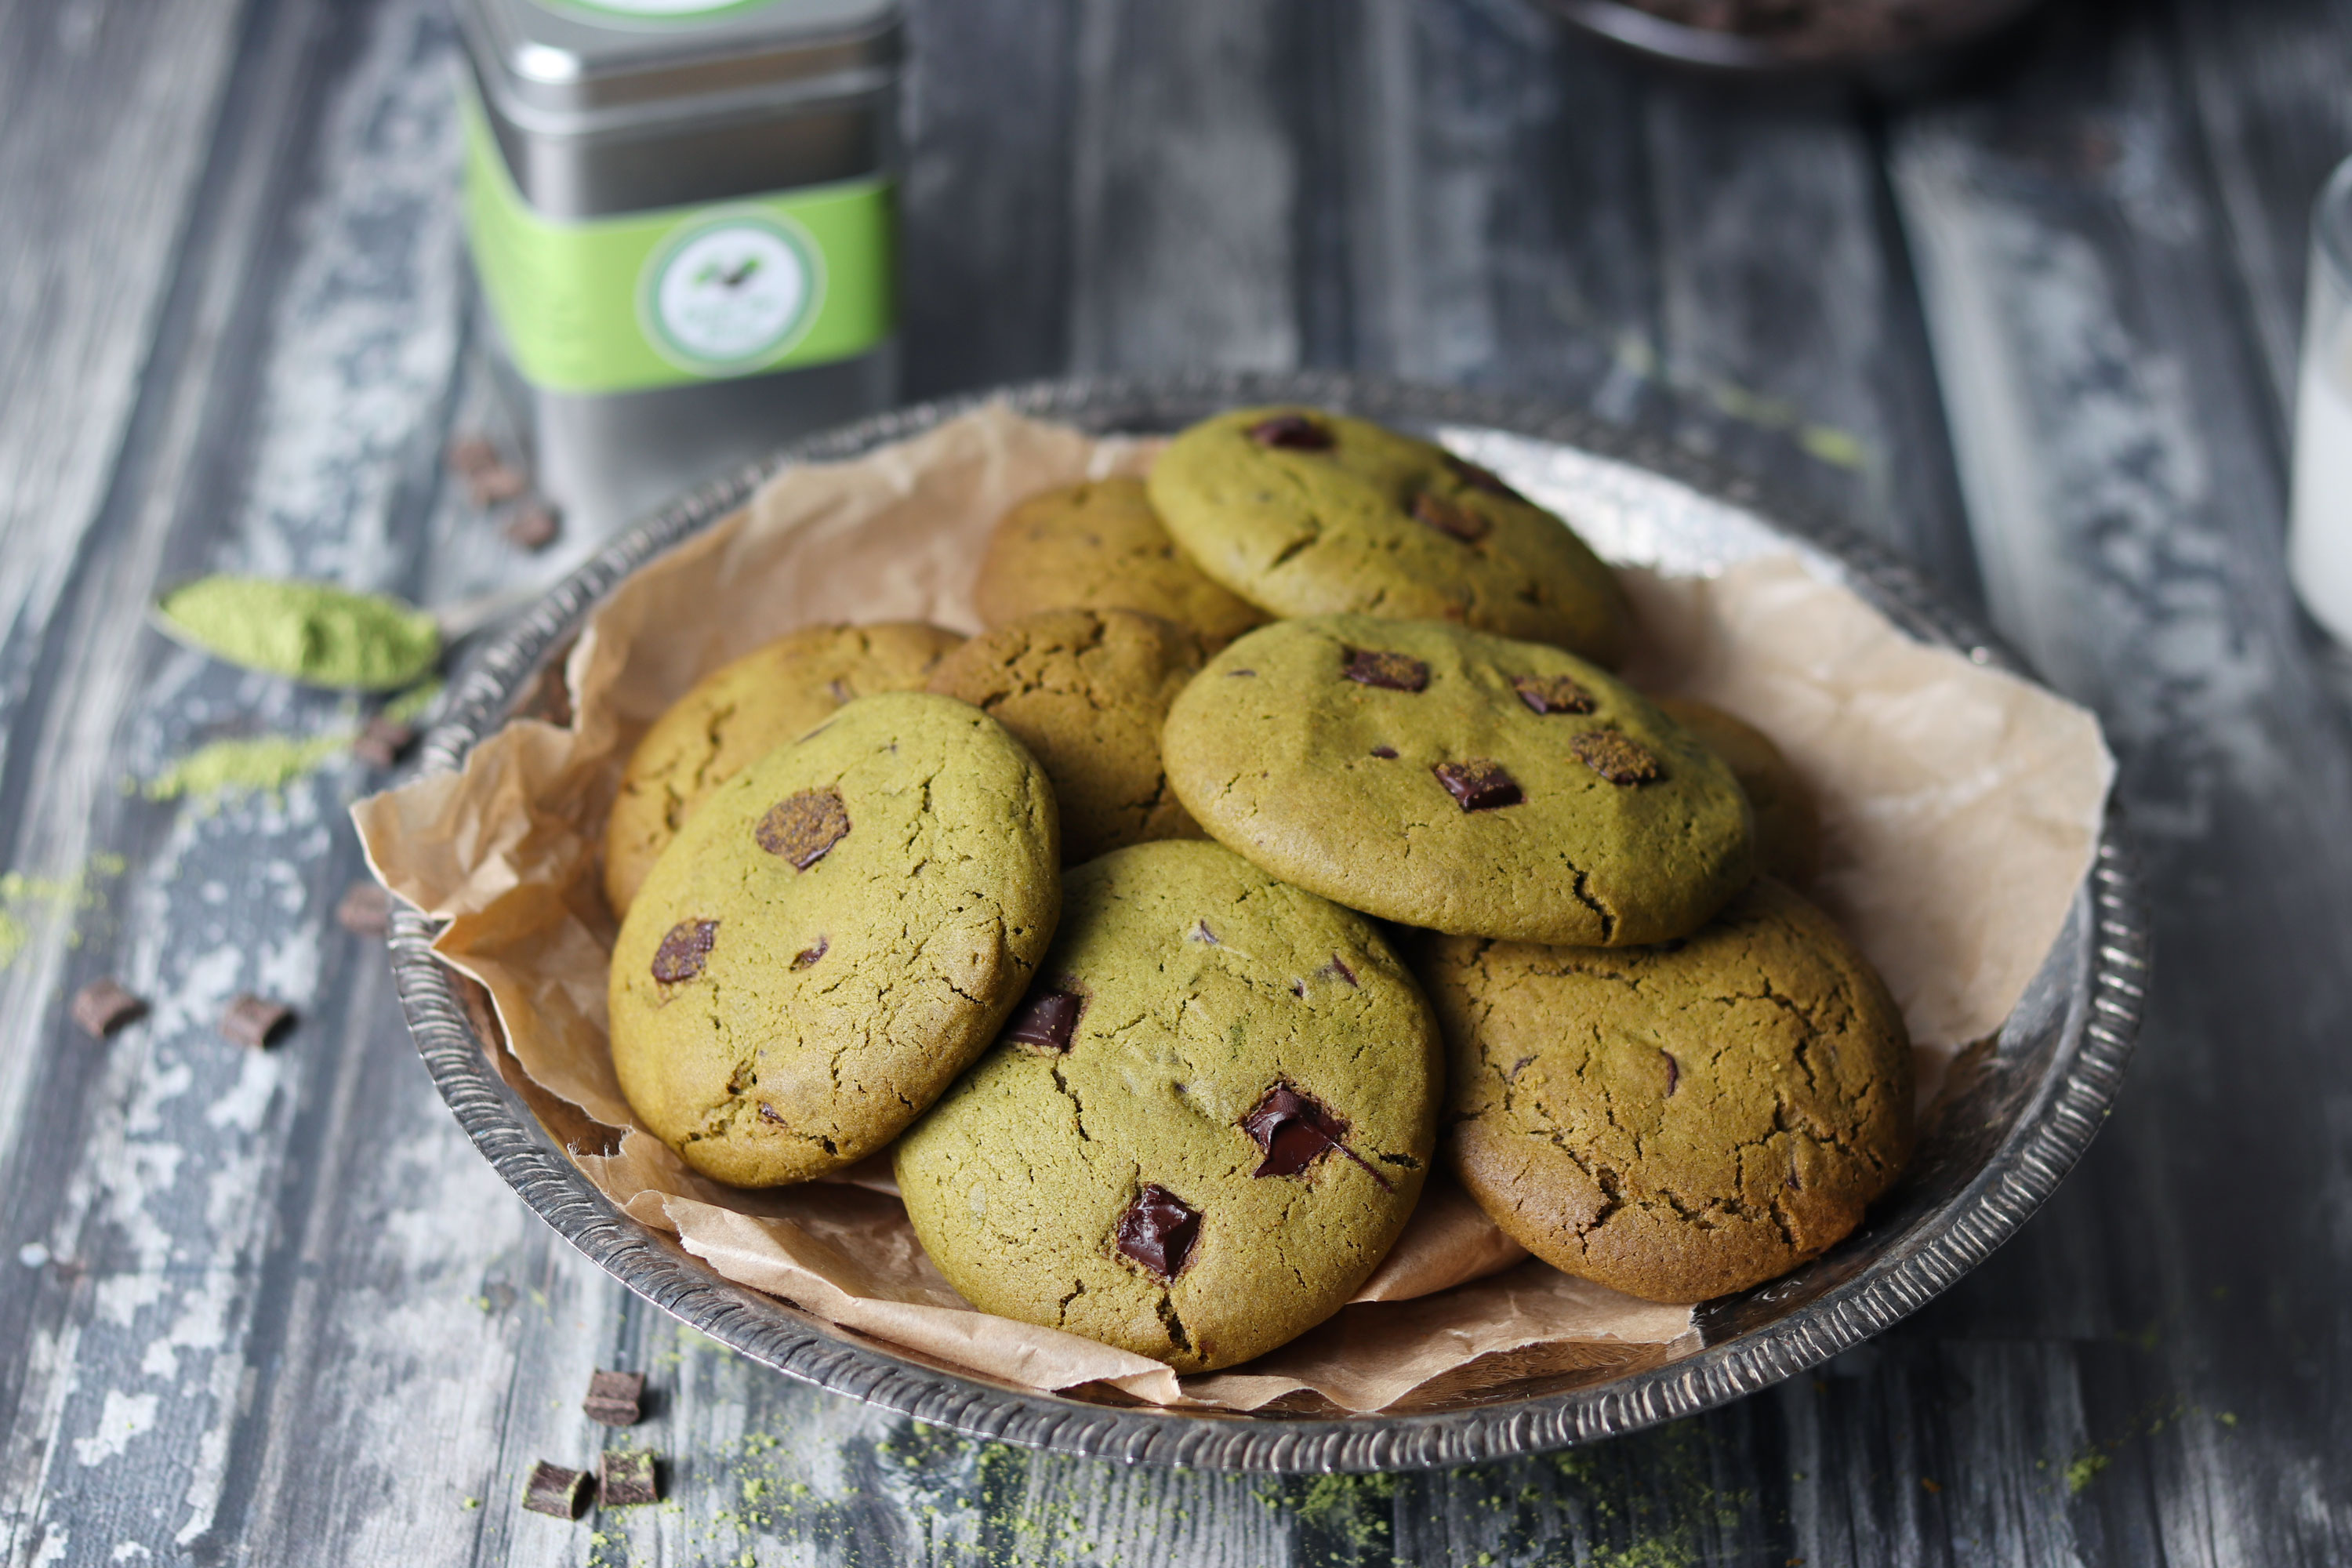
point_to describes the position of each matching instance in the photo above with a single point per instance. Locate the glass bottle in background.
(2319, 541)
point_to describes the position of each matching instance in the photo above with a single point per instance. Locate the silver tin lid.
(577, 67)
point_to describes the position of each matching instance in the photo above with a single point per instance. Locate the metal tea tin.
(683, 216)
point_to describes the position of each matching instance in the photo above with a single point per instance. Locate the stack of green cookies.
(1285, 831)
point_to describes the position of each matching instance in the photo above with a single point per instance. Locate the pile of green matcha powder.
(309, 632)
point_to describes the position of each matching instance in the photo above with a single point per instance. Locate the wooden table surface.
(2040, 335)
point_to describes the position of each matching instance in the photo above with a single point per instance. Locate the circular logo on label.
(730, 292)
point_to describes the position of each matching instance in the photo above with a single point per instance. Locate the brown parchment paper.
(1960, 810)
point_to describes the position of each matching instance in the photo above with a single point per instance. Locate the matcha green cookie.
(1305, 513)
(1207, 1123)
(836, 934)
(1444, 778)
(1086, 691)
(738, 713)
(1787, 829)
(1677, 1121)
(1099, 546)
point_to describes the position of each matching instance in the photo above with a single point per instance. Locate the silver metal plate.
(2014, 1117)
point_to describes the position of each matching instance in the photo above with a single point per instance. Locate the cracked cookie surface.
(1677, 1122)
(1211, 1142)
(1086, 691)
(835, 935)
(1787, 825)
(1099, 546)
(1469, 784)
(1305, 513)
(739, 712)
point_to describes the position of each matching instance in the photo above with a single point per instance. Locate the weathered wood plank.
(987, 193)
(1183, 188)
(2125, 498)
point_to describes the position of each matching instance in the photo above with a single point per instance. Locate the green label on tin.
(683, 294)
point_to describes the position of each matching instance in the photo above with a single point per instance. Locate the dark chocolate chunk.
(770, 1115)
(1202, 933)
(625, 1481)
(1673, 1072)
(1391, 671)
(381, 743)
(1481, 478)
(1294, 1129)
(615, 1398)
(534, 525)
(1157, 1230)
(496, 482)
(365, 911)
(555, 1491)
(809, 955)
(802, 827)
(1478, 785)
(1617, 757)
(1387, 753)
(1237, 674)
(1339, 968)
(255, 1021)
(1552, 694)
(472, 454)
(679, 957)
(1044, 1022)
(1450, 519)
(1294, 431)
(104, 1006)
(839, 691)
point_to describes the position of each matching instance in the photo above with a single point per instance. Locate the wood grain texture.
(271, 1309)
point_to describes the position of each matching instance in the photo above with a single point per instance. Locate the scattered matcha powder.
(2084, 1472)
(260, 764)
(24, 901)
(309, 632)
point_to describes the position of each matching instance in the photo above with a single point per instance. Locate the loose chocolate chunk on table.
(381, 743)
(802, 827)
(683, 949)
(555, 1491)
(1617, 757)
(1479, 784)
(1157, 1230)
(625, 1481)
(615, 1398)
(535, 525)
(255, 1021)
(366, 909)
(1388, 672)
(1044, 1022)
(104, 1006)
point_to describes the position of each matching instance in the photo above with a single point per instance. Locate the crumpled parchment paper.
(1960, 809)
